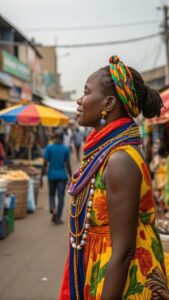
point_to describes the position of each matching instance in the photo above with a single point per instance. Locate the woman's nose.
(79, 101)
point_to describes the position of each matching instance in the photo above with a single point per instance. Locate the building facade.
(50, 75)
(19, 65)
(155, 78)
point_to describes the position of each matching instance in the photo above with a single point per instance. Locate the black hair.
(150, 102)
(58, 134)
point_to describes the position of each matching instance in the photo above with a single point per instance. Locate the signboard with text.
(14, 66)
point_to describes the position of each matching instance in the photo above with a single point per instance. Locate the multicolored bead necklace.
(84, 231)
(84, 201)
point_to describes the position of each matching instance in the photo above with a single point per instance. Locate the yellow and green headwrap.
(124, 84)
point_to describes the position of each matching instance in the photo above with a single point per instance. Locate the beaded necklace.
(82, 189)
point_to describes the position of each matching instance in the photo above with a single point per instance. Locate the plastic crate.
(3, 228)
(10, 220)
(9, 212)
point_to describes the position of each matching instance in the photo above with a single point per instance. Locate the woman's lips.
(78, 112)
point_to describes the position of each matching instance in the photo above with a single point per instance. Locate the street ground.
(32, 258)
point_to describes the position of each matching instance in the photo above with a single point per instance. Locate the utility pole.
(165, 33)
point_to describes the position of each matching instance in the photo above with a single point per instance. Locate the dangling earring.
(102, 120)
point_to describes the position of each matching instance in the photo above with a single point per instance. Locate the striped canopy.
(33, 115)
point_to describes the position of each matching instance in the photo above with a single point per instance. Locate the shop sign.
(49, 79)
(6, 80)
(14, 66)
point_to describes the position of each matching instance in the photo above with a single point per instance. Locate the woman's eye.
(86, 92)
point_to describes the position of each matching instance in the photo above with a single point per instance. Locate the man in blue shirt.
(57, 157)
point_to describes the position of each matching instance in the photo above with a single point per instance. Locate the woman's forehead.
(94, 79)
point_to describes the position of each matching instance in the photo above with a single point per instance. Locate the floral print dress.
(146, 276)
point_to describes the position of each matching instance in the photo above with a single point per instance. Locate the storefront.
(6, 83)
(16, 75)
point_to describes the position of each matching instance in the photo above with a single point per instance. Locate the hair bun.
(151, 103)
(114, 59)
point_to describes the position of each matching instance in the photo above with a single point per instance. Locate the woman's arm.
(123, 181)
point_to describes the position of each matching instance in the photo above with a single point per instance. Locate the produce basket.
(18, 185)
(20, 189)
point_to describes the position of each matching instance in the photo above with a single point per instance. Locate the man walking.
(57, 157)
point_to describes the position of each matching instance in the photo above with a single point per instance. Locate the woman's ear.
(110, 103)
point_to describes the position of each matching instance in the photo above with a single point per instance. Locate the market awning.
(33, 115)
(164, 117)
(62, 105)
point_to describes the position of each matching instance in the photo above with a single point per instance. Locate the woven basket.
(20, 189)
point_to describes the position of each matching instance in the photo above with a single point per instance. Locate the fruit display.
(13, 175)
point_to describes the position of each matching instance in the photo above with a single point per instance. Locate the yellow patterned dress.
(147, 266)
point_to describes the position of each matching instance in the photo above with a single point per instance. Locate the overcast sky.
(75, 67)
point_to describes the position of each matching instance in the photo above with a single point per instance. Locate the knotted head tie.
(124, 84)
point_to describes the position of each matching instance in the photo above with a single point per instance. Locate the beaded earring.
(102, 120)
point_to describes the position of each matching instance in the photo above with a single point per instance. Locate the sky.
(75, 65)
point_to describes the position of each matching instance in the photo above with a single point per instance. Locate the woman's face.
(91, 103)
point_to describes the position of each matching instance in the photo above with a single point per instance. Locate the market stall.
(156, 144)
(23, 171)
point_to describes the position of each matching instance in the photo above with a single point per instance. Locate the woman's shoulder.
(121, 151)
(126, 158)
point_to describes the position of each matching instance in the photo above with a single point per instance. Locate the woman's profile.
(115, 250)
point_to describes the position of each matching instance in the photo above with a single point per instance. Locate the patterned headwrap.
(124, 84)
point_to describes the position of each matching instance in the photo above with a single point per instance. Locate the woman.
(115, 250)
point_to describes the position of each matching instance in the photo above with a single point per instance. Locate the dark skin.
(122, 178)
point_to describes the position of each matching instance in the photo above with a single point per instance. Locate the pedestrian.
(67, 138)
(58, 157)
(85, 134)
(115, 250)
(77, 138)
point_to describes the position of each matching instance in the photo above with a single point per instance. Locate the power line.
(96, 27)
(87, 45)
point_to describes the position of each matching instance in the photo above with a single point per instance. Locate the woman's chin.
(80, 121)
(83, 122)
